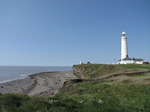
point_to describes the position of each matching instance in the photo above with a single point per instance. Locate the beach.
(40, 84)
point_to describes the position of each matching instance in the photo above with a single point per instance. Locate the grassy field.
(97, 70)
(116, 94)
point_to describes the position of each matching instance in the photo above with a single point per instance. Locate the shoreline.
(39, 84)
(23, 76)
(9, 80)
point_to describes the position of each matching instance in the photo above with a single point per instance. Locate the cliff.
(94, 71)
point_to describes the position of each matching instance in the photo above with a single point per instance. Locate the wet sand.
(41, 84)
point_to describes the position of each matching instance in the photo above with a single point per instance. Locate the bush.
(76, 80)
(12, 101)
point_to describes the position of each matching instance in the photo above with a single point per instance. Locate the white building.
(128, 60)
(81, 63)
(124, 53)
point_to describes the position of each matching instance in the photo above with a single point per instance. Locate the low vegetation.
(115, 94)
(97, 70)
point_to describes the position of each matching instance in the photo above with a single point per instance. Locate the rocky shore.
(41, 84)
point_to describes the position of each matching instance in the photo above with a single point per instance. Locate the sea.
(9, 73)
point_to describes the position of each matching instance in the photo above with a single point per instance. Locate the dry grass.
(141, 79)
(90, 71)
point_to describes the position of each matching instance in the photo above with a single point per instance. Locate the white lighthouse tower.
(124, 47)
(124, 53)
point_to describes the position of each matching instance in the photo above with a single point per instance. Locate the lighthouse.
(124, 53)
(124, 46)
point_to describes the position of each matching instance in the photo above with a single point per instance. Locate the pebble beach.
(40, 84)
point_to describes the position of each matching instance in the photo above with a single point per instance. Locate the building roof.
(135, 59)
(127, 58)
(138, 59)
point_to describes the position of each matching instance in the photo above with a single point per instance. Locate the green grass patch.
(147, 79)
(137, 66)
(106, 98)
(98, 70)
(140, 75)
(126, 81)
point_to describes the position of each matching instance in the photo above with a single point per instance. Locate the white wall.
(130, 62)
(124, 48)
(139, 62)
(127, 62)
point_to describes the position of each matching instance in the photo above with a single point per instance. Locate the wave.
(22, 76)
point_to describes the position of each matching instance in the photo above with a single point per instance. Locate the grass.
(106, 98)
(83, 97)
(141, 75)
(112, 95)
(98, 70)
(137, 66)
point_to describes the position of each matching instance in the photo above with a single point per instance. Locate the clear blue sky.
(63, 32)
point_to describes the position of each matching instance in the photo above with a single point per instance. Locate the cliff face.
(77, 71)
(95, 70)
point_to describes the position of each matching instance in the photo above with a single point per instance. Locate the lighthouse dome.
(123, 32)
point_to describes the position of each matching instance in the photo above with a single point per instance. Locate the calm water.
(8, 73)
